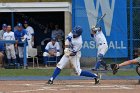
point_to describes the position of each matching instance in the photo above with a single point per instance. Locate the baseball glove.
(115, 68)
(138, 69)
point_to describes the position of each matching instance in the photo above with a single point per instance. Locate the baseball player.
(73, 45)
(30, 35)
(10, 49)
(4, 27)
(20, 36)
(115, 67)
(101, 42)
(51, 49)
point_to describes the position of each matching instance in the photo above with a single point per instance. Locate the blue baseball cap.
(4, 25)
(19, 25)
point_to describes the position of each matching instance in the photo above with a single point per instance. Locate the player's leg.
(1, 58)
(20, 50)
(61, 64)
(75, 60)
(115, 67)
(102, 49)
(45, 57)
(8, 55)
(13, 54)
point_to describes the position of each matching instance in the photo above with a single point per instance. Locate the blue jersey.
(19, 34)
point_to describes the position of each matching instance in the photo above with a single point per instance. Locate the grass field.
(48, 72)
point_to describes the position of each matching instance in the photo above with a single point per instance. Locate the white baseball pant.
(75, 61)
(21, 51)
(102, 49)
(10, 51)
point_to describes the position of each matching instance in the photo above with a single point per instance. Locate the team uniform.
(10, 50)
(30, 33)
(50, 47)
(102, 46)
(4, 26)
(73, 54)
(18, 37)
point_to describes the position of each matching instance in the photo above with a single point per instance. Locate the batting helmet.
(77, 31)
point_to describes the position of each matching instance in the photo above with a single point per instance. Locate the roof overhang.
(35, 7)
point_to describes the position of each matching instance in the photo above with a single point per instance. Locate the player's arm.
(67, 45)
(24, 37)
(47, 47)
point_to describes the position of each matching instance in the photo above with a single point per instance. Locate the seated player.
(72, 53)
(51, 49)
(115, 67)
(1, 53)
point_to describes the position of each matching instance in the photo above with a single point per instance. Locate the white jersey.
(100, 38)
(50, 46)
(75, 43)
(30, 32)
(9, 36)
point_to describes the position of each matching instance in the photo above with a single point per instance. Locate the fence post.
(12, 21)
(73, 13)
(131, 30)
(25, 55)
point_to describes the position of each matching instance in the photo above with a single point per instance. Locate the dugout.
(38, 14)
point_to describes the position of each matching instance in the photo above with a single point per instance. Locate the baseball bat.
(100, 19)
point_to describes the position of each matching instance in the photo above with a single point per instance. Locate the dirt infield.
(70, 86)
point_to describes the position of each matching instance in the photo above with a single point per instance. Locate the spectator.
(4, 26)
(20, 36)
(51, 49)
(10, 49)
(30, 35)
(1, 53)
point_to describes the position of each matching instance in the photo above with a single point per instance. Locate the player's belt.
(28, 39)
(102, 43)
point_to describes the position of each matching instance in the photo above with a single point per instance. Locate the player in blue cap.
(4, 27)
(21, 36)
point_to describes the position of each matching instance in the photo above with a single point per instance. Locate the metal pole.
(25, 55)
(131, 29)
(12, 21)
(73, 13)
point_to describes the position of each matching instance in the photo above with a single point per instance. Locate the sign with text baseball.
(114, 25)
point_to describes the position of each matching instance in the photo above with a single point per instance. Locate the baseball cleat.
(97, 80)
(93, 69)
(50, 82)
